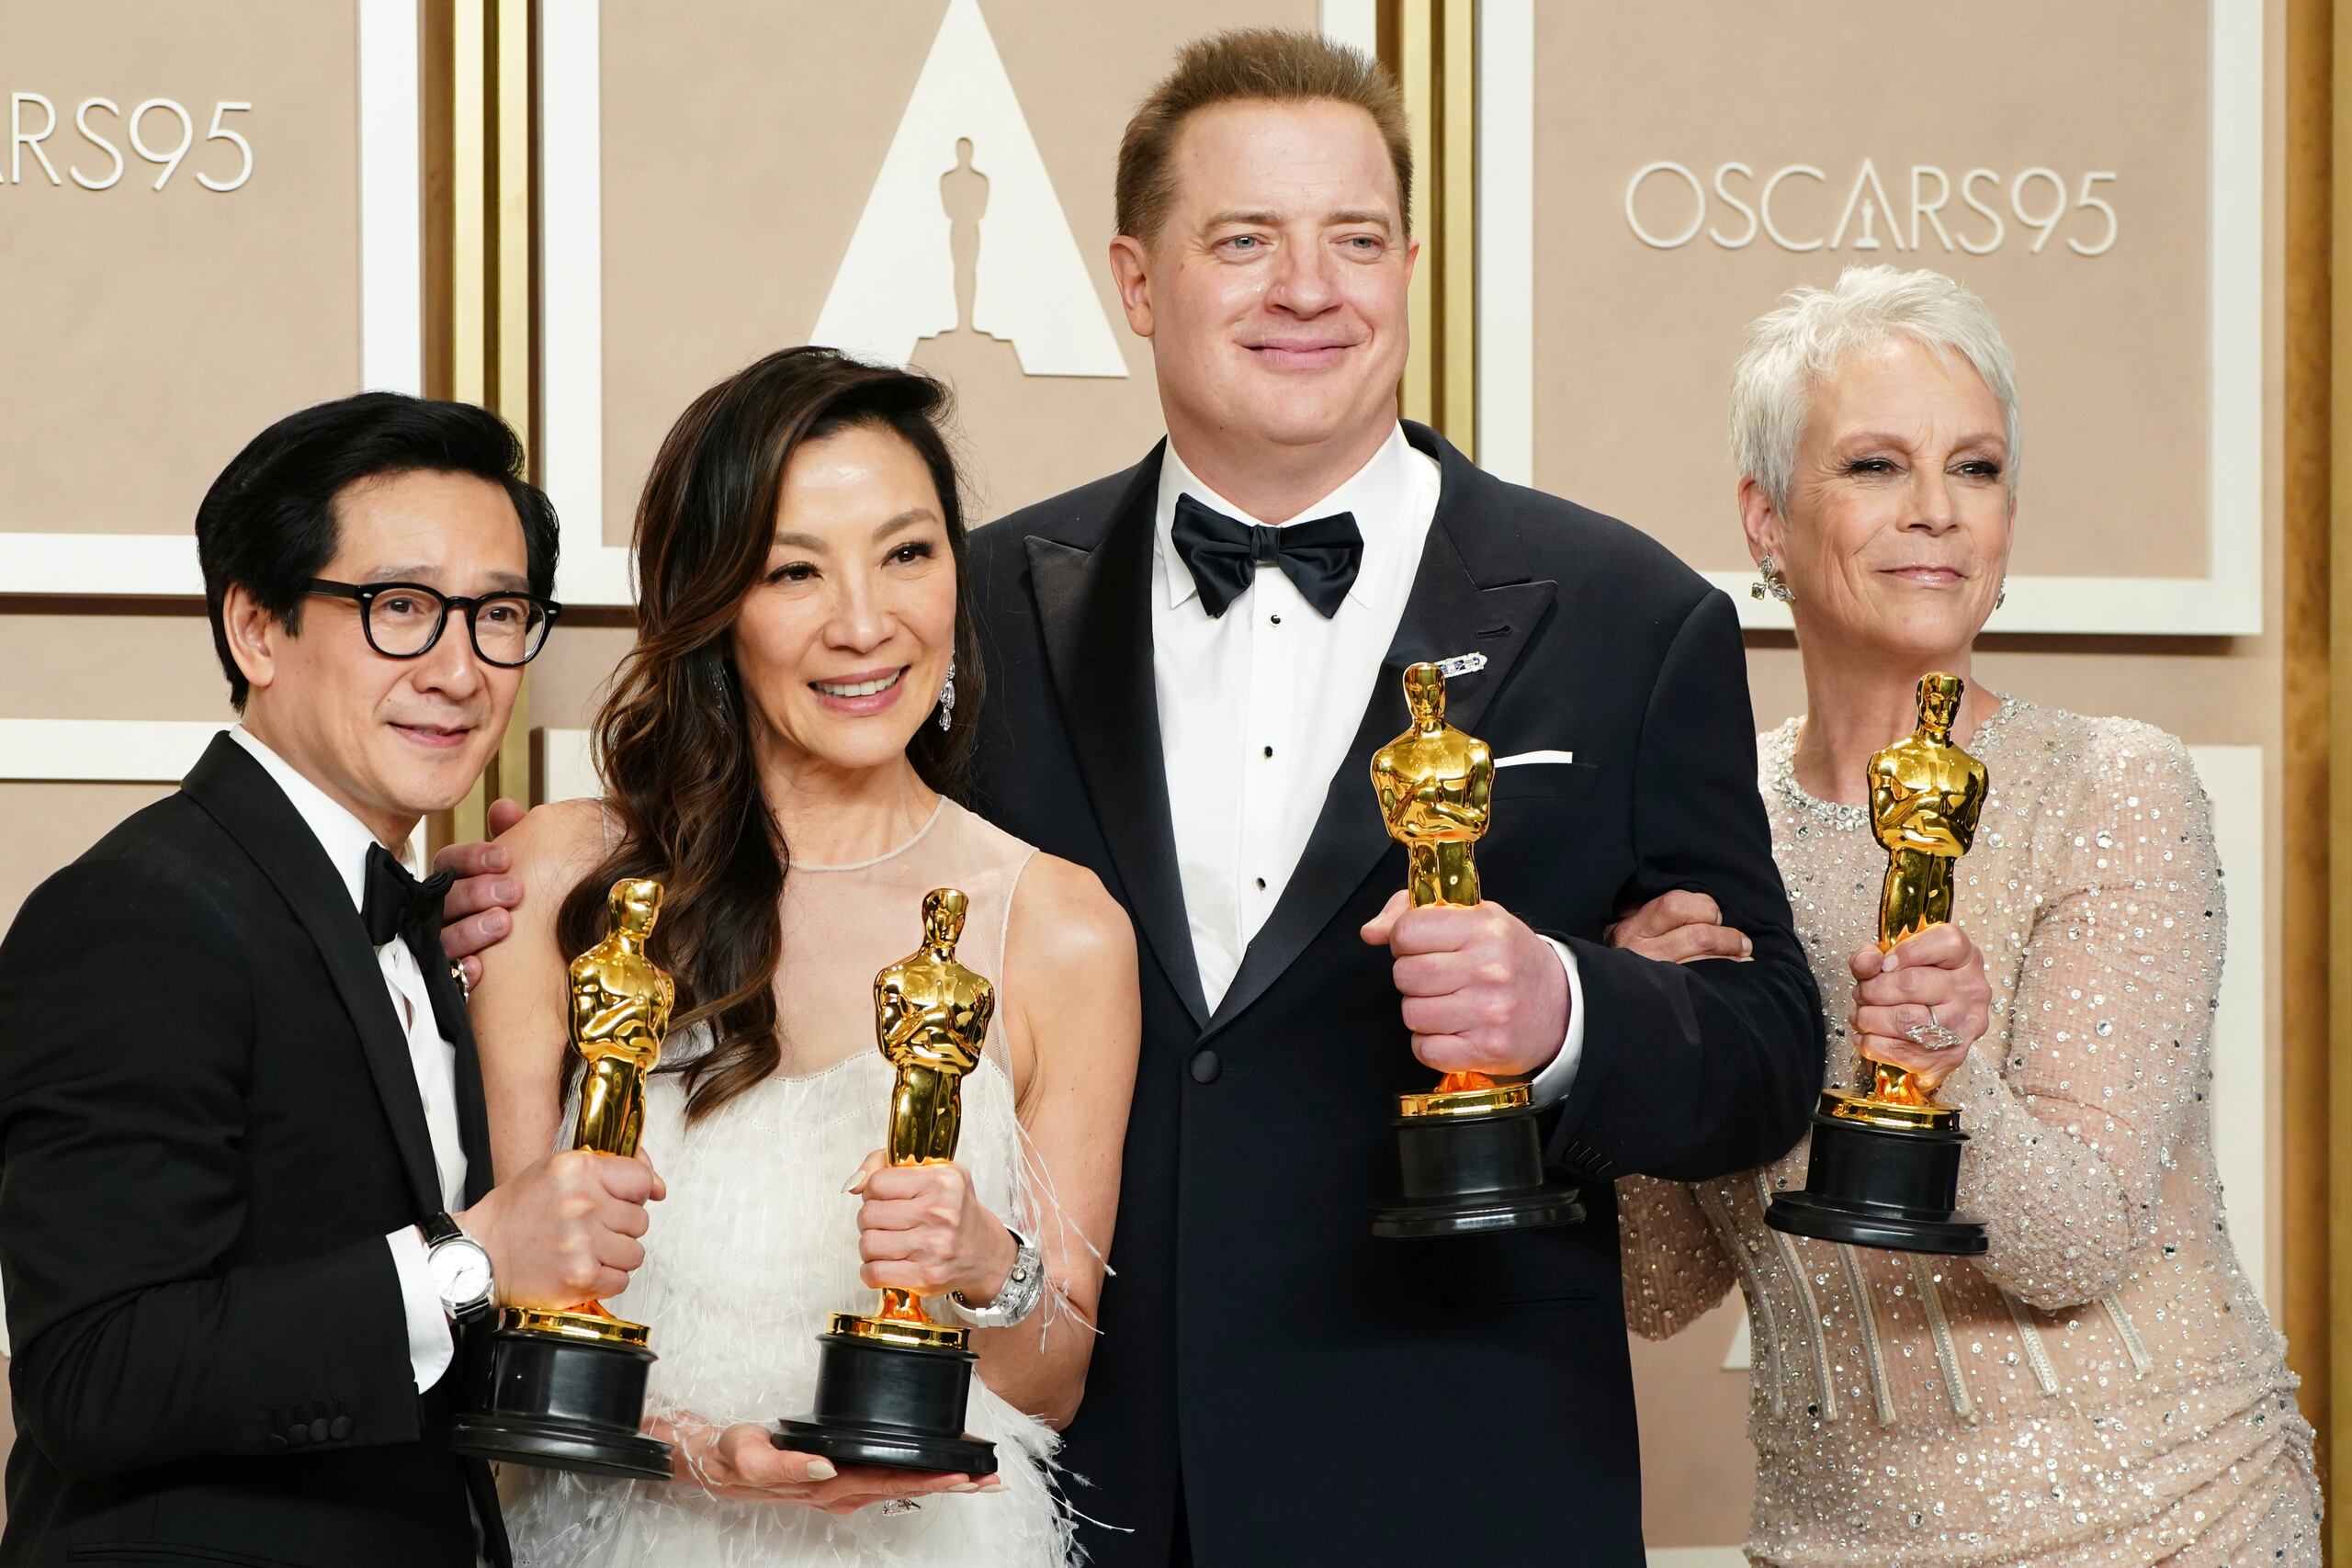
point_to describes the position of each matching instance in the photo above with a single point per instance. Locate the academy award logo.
(962, 230)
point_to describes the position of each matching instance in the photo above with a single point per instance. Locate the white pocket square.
(1515, 761)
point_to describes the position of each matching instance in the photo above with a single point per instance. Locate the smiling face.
(389, 740)
(1274, 293)
(845, 642)
(1896, 535)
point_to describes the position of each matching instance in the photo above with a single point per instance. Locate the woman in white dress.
(781, 750)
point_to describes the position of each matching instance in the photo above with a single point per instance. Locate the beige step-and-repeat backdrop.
(211, 213)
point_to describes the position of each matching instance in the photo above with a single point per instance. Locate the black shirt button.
(1206, 1067)
(319, 1430)
(272, 1440)
(297, 1435)
(339, 1428)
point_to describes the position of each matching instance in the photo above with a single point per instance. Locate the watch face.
(461, 1273)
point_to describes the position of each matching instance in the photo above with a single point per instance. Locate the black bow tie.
(395, 903)
(1320, 555)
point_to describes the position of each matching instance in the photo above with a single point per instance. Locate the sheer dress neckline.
(1837, 812)
(938, 806)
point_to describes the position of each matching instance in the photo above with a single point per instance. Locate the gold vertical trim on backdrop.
(479, 145)
(1408, 48)
(1431, 46)
(1455, 225)
(2337, 1479)
(512, 268)
(2308, 998)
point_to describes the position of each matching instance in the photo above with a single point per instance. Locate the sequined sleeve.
(1675, 1268)
(2110, 1030)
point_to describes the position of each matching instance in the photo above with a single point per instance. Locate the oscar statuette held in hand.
(1884, 1168)
(1470, 1157)
(566, 1390)
(892, 1385)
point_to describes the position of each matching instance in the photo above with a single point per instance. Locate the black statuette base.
(1465, 1174)
(1892, 1188)
(562, 1404)
(890, 1404)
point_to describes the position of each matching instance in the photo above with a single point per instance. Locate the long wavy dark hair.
(671, 741)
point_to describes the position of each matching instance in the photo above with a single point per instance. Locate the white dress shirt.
(347, 840)
(1271, 694)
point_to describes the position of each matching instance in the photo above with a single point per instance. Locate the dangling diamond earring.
(947, 695)
(1769, 583)
(2001, 594)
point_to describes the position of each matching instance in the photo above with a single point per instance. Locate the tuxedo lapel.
(1470, 594)
(457, 1028)
(1094, 612)
(241, 796)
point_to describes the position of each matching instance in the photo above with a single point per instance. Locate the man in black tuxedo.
(238, 1096)
(1189, 667)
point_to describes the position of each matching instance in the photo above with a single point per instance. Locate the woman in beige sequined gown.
(778, 748)
(2103, 1386)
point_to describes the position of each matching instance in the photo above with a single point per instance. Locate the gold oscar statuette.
(931, 1017)
(892, 1384)
(1925, 795)
(565, 1388)
(1884, 1169)
(620, 1014)
(1468, 1147)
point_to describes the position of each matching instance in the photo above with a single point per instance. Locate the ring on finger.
(900, 1506)
(1931, 1035)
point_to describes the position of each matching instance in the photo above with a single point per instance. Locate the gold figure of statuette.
(1436, 786)
(620, 1003)
(1926, 795)
(930, 1021)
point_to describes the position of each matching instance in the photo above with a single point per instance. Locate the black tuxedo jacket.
(1300, 1390)
(209, 1123)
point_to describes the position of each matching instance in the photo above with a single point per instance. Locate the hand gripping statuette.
(892, 1386)
(1469, 1152)
(567, 1388)
(1885, 1163)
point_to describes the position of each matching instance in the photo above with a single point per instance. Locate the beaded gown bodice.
(756, 1244)
(2103, 1386)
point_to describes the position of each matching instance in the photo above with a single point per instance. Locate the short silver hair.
(1792, 350)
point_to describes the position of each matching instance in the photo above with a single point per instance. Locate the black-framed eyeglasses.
(403, 620)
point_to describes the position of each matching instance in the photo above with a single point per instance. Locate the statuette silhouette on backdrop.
(963, 186)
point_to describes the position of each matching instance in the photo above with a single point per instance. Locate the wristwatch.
(461, 1273)
(1023, 1287)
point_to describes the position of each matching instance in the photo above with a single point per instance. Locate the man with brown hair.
(1274, 1385)
(1194, 728)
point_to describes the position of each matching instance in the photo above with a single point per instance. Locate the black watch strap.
(440, 1228)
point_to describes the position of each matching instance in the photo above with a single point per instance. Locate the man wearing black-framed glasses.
(404, 620)
(249, 1207)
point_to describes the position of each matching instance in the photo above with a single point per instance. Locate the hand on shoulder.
(528, 850)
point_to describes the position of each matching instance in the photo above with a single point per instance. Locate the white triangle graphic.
(897, 284)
